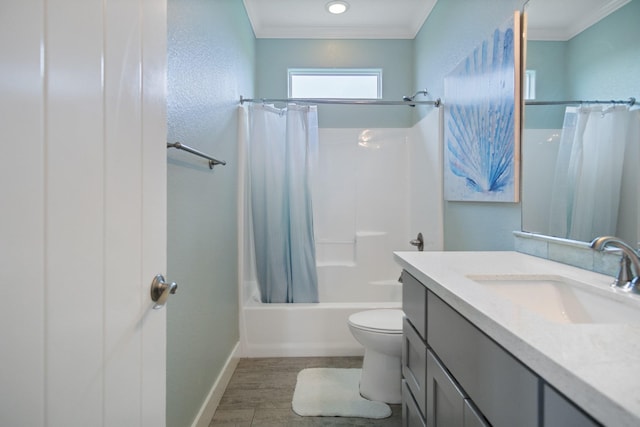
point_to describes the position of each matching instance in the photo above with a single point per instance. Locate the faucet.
(625, 280)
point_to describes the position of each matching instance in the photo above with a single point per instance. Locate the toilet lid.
(388, 321)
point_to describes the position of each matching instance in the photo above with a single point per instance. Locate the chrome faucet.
(625, 280)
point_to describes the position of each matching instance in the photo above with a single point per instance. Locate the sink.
(563, 300)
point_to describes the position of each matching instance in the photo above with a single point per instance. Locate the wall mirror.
(582, 50)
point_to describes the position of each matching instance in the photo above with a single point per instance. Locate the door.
(83, 212)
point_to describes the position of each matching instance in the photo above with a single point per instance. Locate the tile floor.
(260, 393)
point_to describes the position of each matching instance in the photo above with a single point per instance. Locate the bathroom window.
(335, 83)
(530, 84)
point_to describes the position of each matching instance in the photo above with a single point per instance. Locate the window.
(530, 84)
(335, 83)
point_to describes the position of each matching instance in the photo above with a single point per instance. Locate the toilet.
(380, 333)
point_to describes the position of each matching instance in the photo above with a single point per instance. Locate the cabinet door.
(411, 416)
(414, 363)
(445, 400)
(560, 412)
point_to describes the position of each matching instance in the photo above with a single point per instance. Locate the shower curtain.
(282, 149)
(586, 188)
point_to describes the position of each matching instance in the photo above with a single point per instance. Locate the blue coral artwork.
(482, 120)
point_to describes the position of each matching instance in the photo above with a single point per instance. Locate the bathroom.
(408, 65)
(213, 60)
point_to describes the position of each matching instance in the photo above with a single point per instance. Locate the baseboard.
(301, 350)
(208, 409)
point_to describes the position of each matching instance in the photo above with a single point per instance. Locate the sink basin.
(563, 300)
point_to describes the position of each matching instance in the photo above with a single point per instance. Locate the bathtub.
(361, 216)
(301, 330)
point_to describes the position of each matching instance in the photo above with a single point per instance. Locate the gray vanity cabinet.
(456, 376)
(450, 369)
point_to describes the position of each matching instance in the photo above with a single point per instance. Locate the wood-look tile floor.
(260, 393)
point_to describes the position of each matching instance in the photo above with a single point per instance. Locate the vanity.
(508, 339)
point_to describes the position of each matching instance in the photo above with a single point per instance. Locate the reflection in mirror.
(580, 162)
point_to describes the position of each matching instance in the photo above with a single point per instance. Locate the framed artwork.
(482, 120)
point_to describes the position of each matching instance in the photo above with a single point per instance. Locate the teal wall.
(604, 60)
(452, 30)
(599, 63)
(549, 60)
(211, 54)
(395, 57)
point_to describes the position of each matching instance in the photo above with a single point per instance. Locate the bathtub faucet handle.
(418, 242)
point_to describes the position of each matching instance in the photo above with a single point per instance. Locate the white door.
(82, 212)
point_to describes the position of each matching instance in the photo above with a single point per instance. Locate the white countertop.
(595, 365)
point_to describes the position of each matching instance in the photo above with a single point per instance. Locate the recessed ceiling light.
(337, 7)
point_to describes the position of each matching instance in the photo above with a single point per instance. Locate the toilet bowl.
(380, 333)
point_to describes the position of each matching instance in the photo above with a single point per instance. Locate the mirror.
(582, 50)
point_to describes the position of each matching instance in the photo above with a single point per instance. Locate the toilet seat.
(382, 321)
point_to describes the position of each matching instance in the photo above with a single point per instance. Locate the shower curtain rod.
(344, 101)
(181, 146)
(631, 101)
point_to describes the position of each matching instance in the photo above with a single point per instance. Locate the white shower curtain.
(586, 190)
(282, 149)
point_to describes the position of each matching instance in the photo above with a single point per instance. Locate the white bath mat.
(330, 392)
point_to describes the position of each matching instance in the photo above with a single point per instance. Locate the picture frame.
(482, 120)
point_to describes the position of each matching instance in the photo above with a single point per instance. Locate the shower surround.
(374, 189)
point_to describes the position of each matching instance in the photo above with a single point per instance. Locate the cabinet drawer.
(414, 303)
(414, 363)
(411, 416)
(558, 411)
(502, 388)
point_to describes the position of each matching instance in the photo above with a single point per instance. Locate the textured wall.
(211, 50)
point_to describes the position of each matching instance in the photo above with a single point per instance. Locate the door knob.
(160, 291)
(418, 242)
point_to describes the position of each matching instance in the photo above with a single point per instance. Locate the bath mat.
(330, 392)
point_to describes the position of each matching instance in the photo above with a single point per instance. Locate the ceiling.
(402, 19)
(365, 19)
(564, 19)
